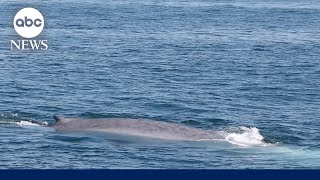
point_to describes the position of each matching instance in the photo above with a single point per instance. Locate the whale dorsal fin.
(58, 118)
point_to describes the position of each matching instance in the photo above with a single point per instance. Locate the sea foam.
(246, 137)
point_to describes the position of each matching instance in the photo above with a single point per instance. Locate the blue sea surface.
(221, 65)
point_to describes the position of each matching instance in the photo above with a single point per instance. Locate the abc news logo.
(28, 23)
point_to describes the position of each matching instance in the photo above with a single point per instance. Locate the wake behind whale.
(156, 129)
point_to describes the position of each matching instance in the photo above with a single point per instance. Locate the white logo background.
(28, 32)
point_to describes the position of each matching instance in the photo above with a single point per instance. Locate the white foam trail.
(25, 123)
(248, 137)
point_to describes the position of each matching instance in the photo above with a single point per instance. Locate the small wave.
(8, 114)
(246, 137)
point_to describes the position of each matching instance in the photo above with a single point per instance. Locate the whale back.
(134, 127)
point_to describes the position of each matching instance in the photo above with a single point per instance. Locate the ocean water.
(249, 68)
